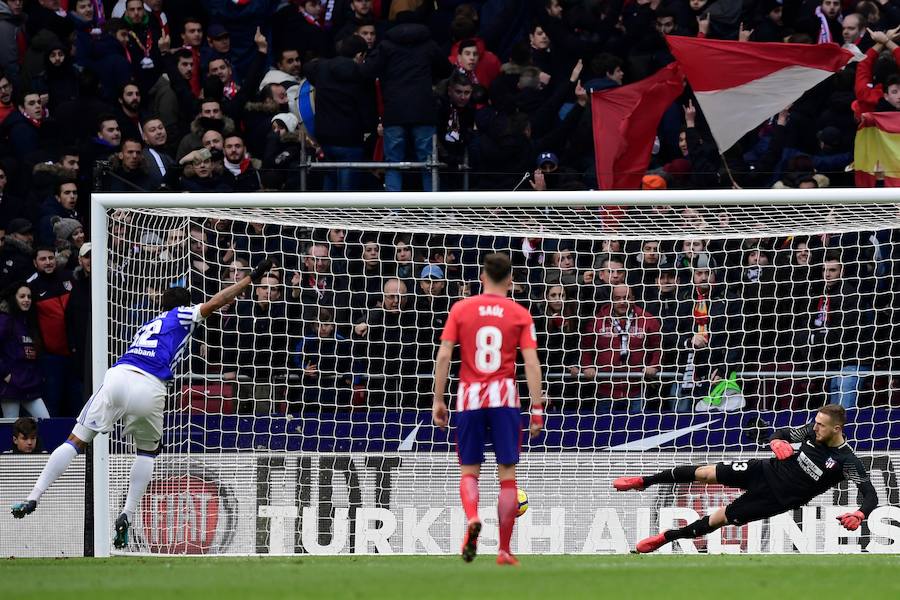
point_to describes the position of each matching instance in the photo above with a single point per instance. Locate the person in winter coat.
(11, 34)
(344, 115)
(20, 342)
(78, 316)
(62, 205)
(16, 253)
(408, 62)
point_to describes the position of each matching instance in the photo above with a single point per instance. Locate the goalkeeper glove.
(851, 521)
(782, 449)
(261, 269)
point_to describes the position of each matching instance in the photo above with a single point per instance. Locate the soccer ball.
(523, 502)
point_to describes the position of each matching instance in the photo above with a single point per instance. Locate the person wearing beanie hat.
(64, 228)
(286, 120)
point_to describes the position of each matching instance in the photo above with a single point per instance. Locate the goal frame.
(101, 203)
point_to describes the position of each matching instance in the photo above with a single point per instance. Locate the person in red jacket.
(868, 93)
(623, 338)
(487, 65)
(51, 286)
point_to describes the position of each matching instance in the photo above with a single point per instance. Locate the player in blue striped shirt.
(134, 391)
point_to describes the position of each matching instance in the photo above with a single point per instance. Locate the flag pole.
(734, 183)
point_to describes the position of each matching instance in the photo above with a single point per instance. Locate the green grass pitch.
(666, 577)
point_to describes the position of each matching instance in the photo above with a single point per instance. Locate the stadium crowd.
(235, 96)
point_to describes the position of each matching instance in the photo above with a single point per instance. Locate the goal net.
(673, 329)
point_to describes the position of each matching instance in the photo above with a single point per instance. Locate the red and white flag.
(741, 84)
(625, 121)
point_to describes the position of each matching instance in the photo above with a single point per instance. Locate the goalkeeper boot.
(122, 527)
(623, 484)
(652, 543)
(20, 509)
(470, 543)
(506, 558)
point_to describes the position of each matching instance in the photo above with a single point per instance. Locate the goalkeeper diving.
(787, 481)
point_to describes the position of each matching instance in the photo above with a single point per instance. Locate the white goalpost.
(299, 419)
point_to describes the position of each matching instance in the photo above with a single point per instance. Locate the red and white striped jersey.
(489, 329)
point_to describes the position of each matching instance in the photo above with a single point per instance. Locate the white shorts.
(129, 395)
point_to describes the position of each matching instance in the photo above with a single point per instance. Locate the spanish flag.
(877, 149)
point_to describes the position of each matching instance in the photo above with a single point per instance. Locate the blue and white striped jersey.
(159, 344)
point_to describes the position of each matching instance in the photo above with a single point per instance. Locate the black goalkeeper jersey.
(814, 468)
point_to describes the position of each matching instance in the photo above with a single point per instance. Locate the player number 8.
(488, 342)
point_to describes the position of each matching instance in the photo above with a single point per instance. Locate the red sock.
(468, 493)
(507, 505)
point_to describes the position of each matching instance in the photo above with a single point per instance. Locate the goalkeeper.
(787, 481)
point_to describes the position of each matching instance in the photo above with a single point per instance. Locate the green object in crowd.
(717, 393)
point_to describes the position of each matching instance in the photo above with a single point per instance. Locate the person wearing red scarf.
(705, 322)
(24, 125)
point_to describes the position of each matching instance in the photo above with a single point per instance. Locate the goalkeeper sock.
(141, 473)
(676, 475)
(507, 505)
(468, 493)
(696, 529)
(56, 466)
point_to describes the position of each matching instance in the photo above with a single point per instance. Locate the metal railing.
(433, 164)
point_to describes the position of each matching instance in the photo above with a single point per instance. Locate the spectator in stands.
(623, 339)
(300, 23)
(241, 166)
(11, 33)
(128, 171)
(317, 285)
(70, 237)
(128, 111)
(201, 174)
(337, 250)
(61, 205)
(325, 357)
(661, 300)
(25, 437)
(366, 276)
(344, 114)
(11, 207)
(597, 288)
(838, 322)
(78, 316)
(704, 326)
(432, 309)
(16, 255)
(643, 267)
(51, 286)
(263, 348)
(404, 265)
(384, 340)
(6, 88)
(23, 127)
(557, 334)
(20, 346)
(456, 123)
(408, 62)
(562, 270)
(157, 159)
(209, 117)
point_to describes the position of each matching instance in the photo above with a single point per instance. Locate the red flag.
(625, 121)
(741, 84)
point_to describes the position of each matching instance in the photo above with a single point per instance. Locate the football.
(523, 502)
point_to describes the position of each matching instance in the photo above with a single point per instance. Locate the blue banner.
(868, 429)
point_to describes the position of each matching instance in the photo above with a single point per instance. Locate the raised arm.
(224, 297)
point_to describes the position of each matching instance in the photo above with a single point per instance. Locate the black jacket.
(408, 62)
(16, 261)
(343, 101)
